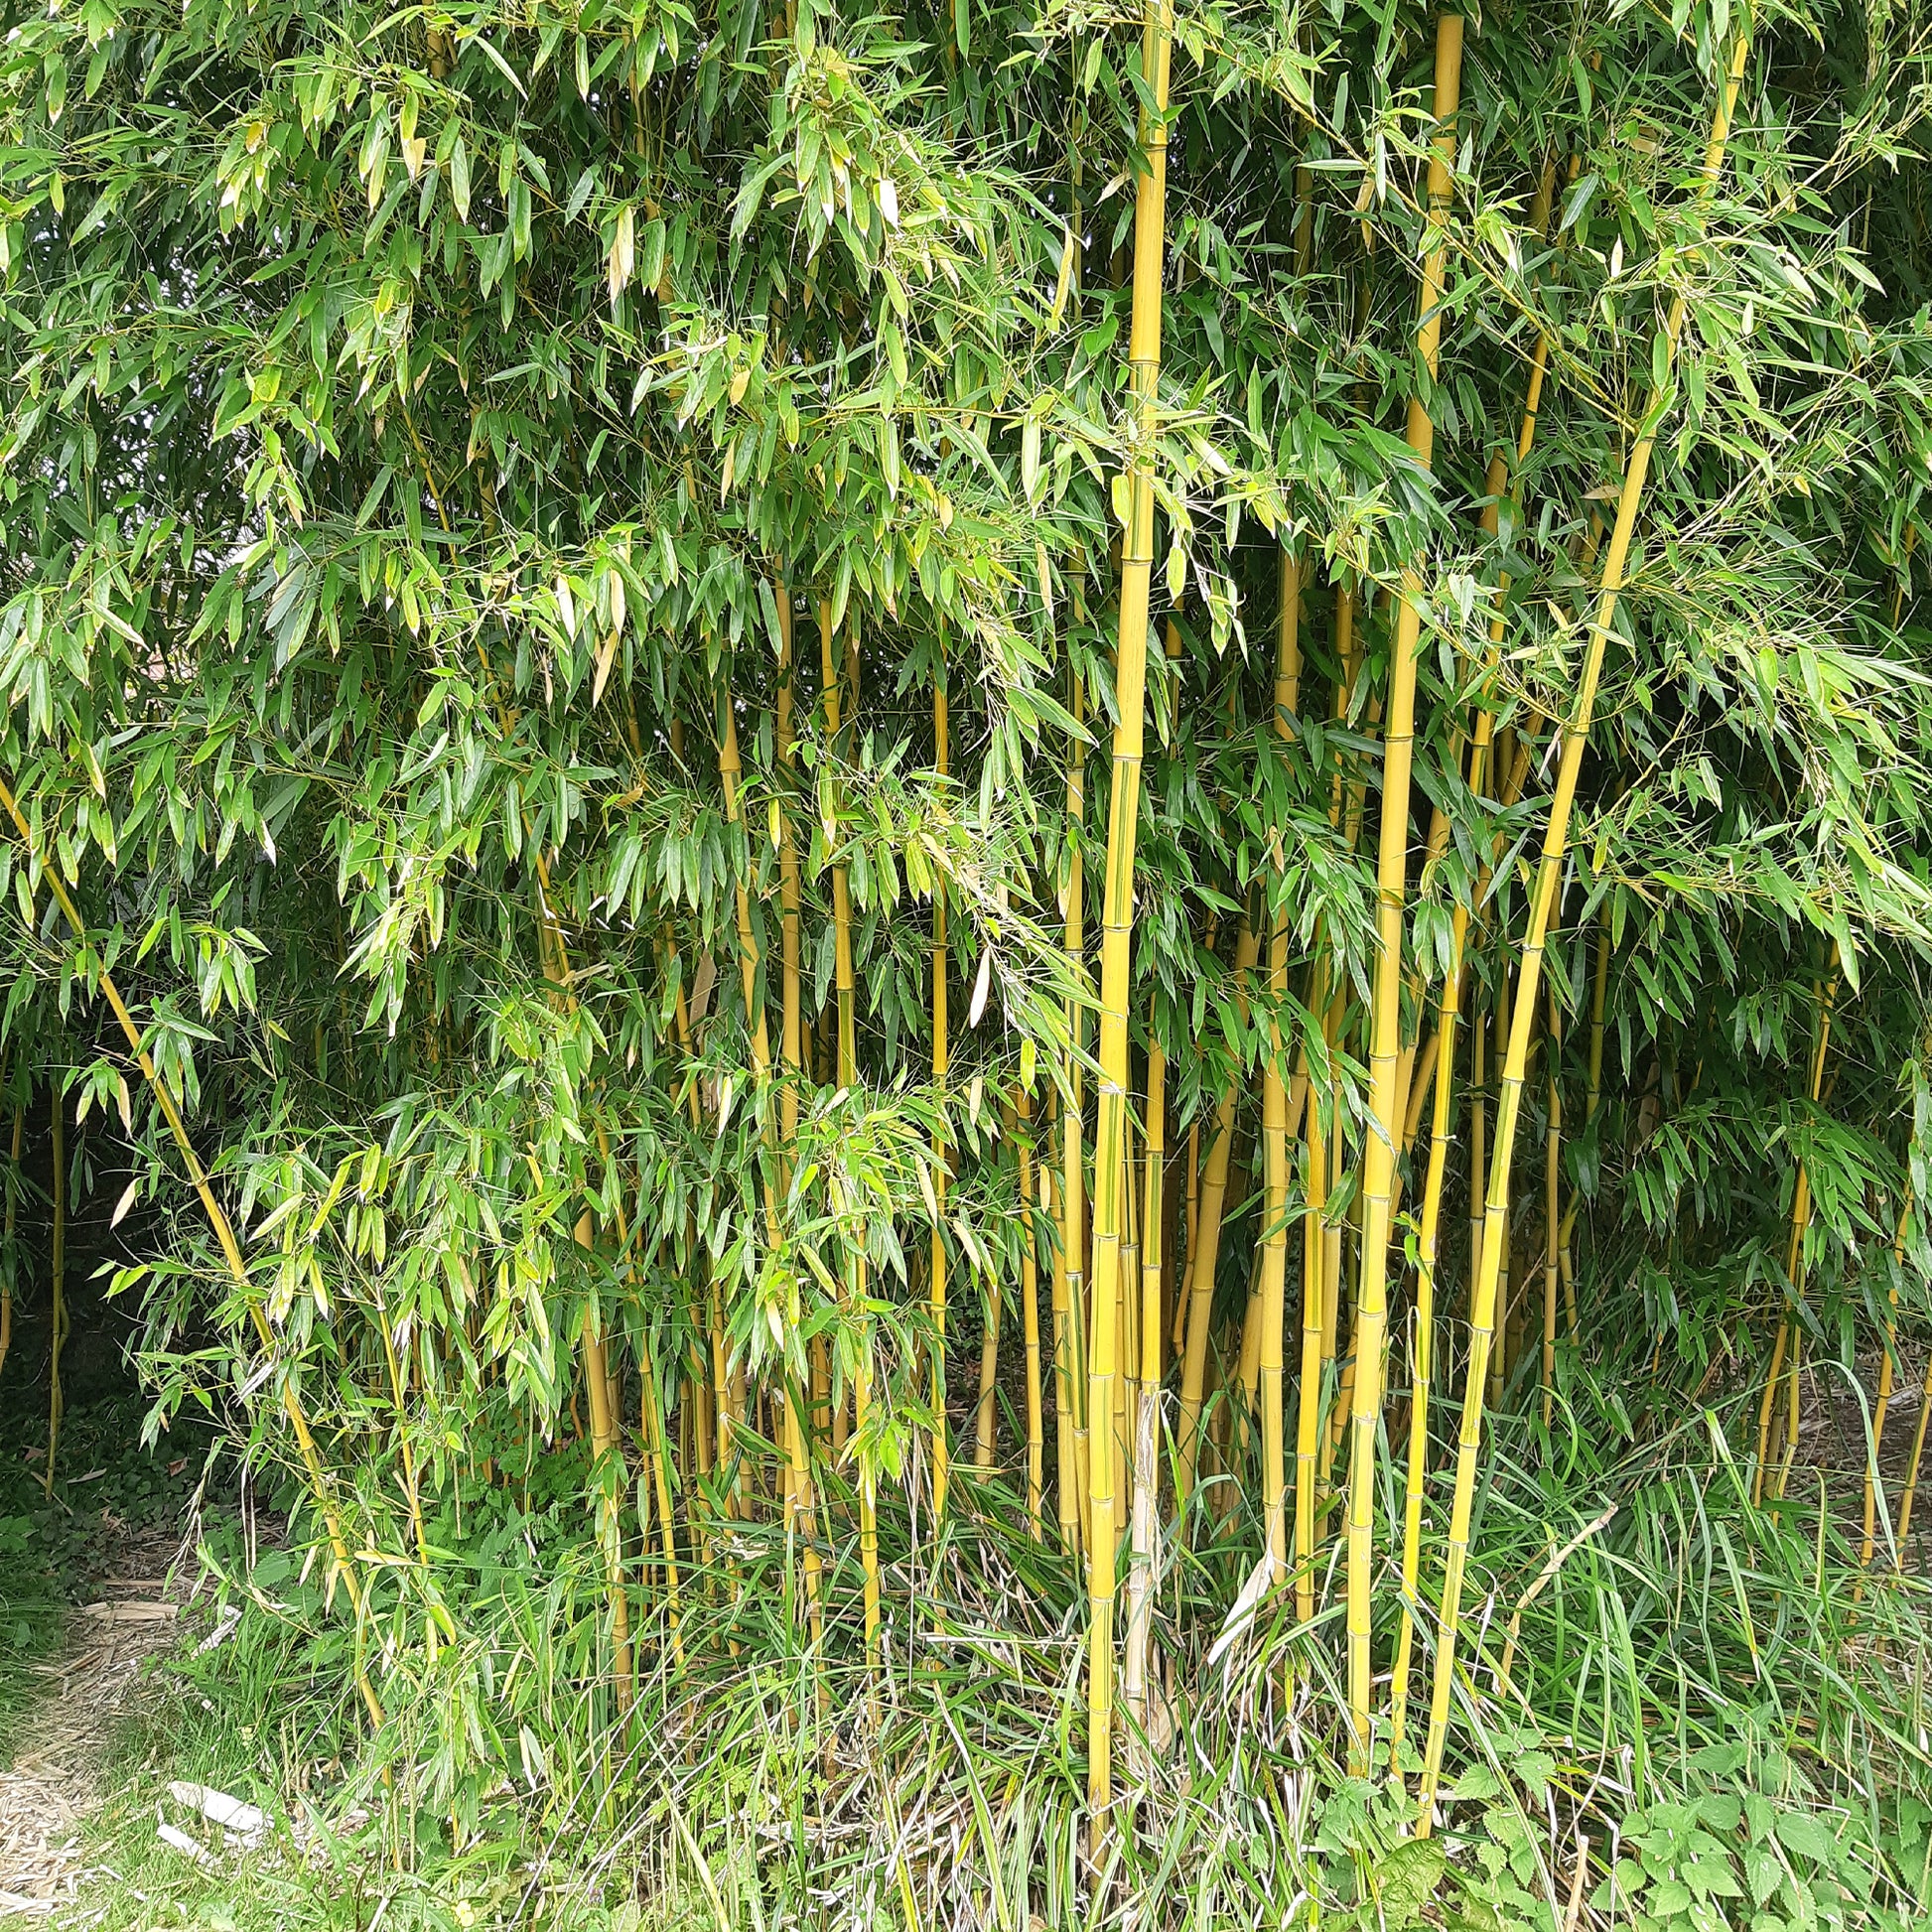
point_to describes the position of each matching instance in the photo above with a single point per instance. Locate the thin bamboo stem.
(847, 1076)
(7, 1245)
(798, 1471)
(1378, 1156)
(1576, 738)
(1029, 1323)
(1275, 1128)
(1069, 1282)
(1789, 1331)
(224, 1235)
(1912, 1467)
(1551, 1201)
(1873, 1498)
(651, 1421)
(57, 1397)
(1204, 1253)
(940, 1455)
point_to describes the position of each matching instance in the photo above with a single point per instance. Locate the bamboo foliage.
(400, 621)
(224, 1233)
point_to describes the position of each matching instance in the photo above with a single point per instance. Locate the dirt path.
(61, 1758)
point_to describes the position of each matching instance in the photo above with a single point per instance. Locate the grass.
(1695, 1700)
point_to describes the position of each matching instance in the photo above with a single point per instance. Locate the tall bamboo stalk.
(940, 1462)
(1070, 1276)
(1315, 1292)
(1204, 1253)
(1551, 1201)
(798, 1468)
(1392, 886)
(7, 1244)
(225, 1236)
(1147, 1416)
(658, 1454)
(791, 1037)
(1177, 1333)
(847, 1073)
(1273, 1113)
(1912, 1466)
(1794, 1259)
(1422, 1379)
(1029, 1323)
(1066, 1502)
(1883, 1403)
(606, 1439)
(1129, 686)
(1591, 1100)
(1576, 738)
(57, 1397)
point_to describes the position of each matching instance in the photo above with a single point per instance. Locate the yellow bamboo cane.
(651, 1418)
(57, 1263)
(1029, 1323)
(1552, 1201)
(1315, 1291)
(7, 1246)
(1911, 1468)
(1378, 1154)
(1070, 1276)
(1129, 686)
(1795, 1249)
(605, 1438)
(1884, 1402)
(1204, 1254)
(1576, 738)
(1273, 1116)
(847, 1075)
(941, 1467)
(1066, 1503)
(791, 1036)
(225, 1236)
(798, 1470)
(1591, 1100)
(1147, 1418)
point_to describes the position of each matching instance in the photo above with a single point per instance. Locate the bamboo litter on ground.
(57, 1776)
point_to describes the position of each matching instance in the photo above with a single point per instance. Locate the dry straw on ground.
(58, 1773)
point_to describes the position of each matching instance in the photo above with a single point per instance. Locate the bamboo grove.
(1005, 788)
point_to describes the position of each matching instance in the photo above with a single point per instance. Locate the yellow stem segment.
(58, 1262)
(1204, 1254)
(1129, 686)
(941, 1467)
(1392, 876)
(798, 1471)
(1576, 739)
(7, 1247)
(1274, 1123)
(1146, 1417)
(225, 1236)
(1029, 1323)
(1070, 1265)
